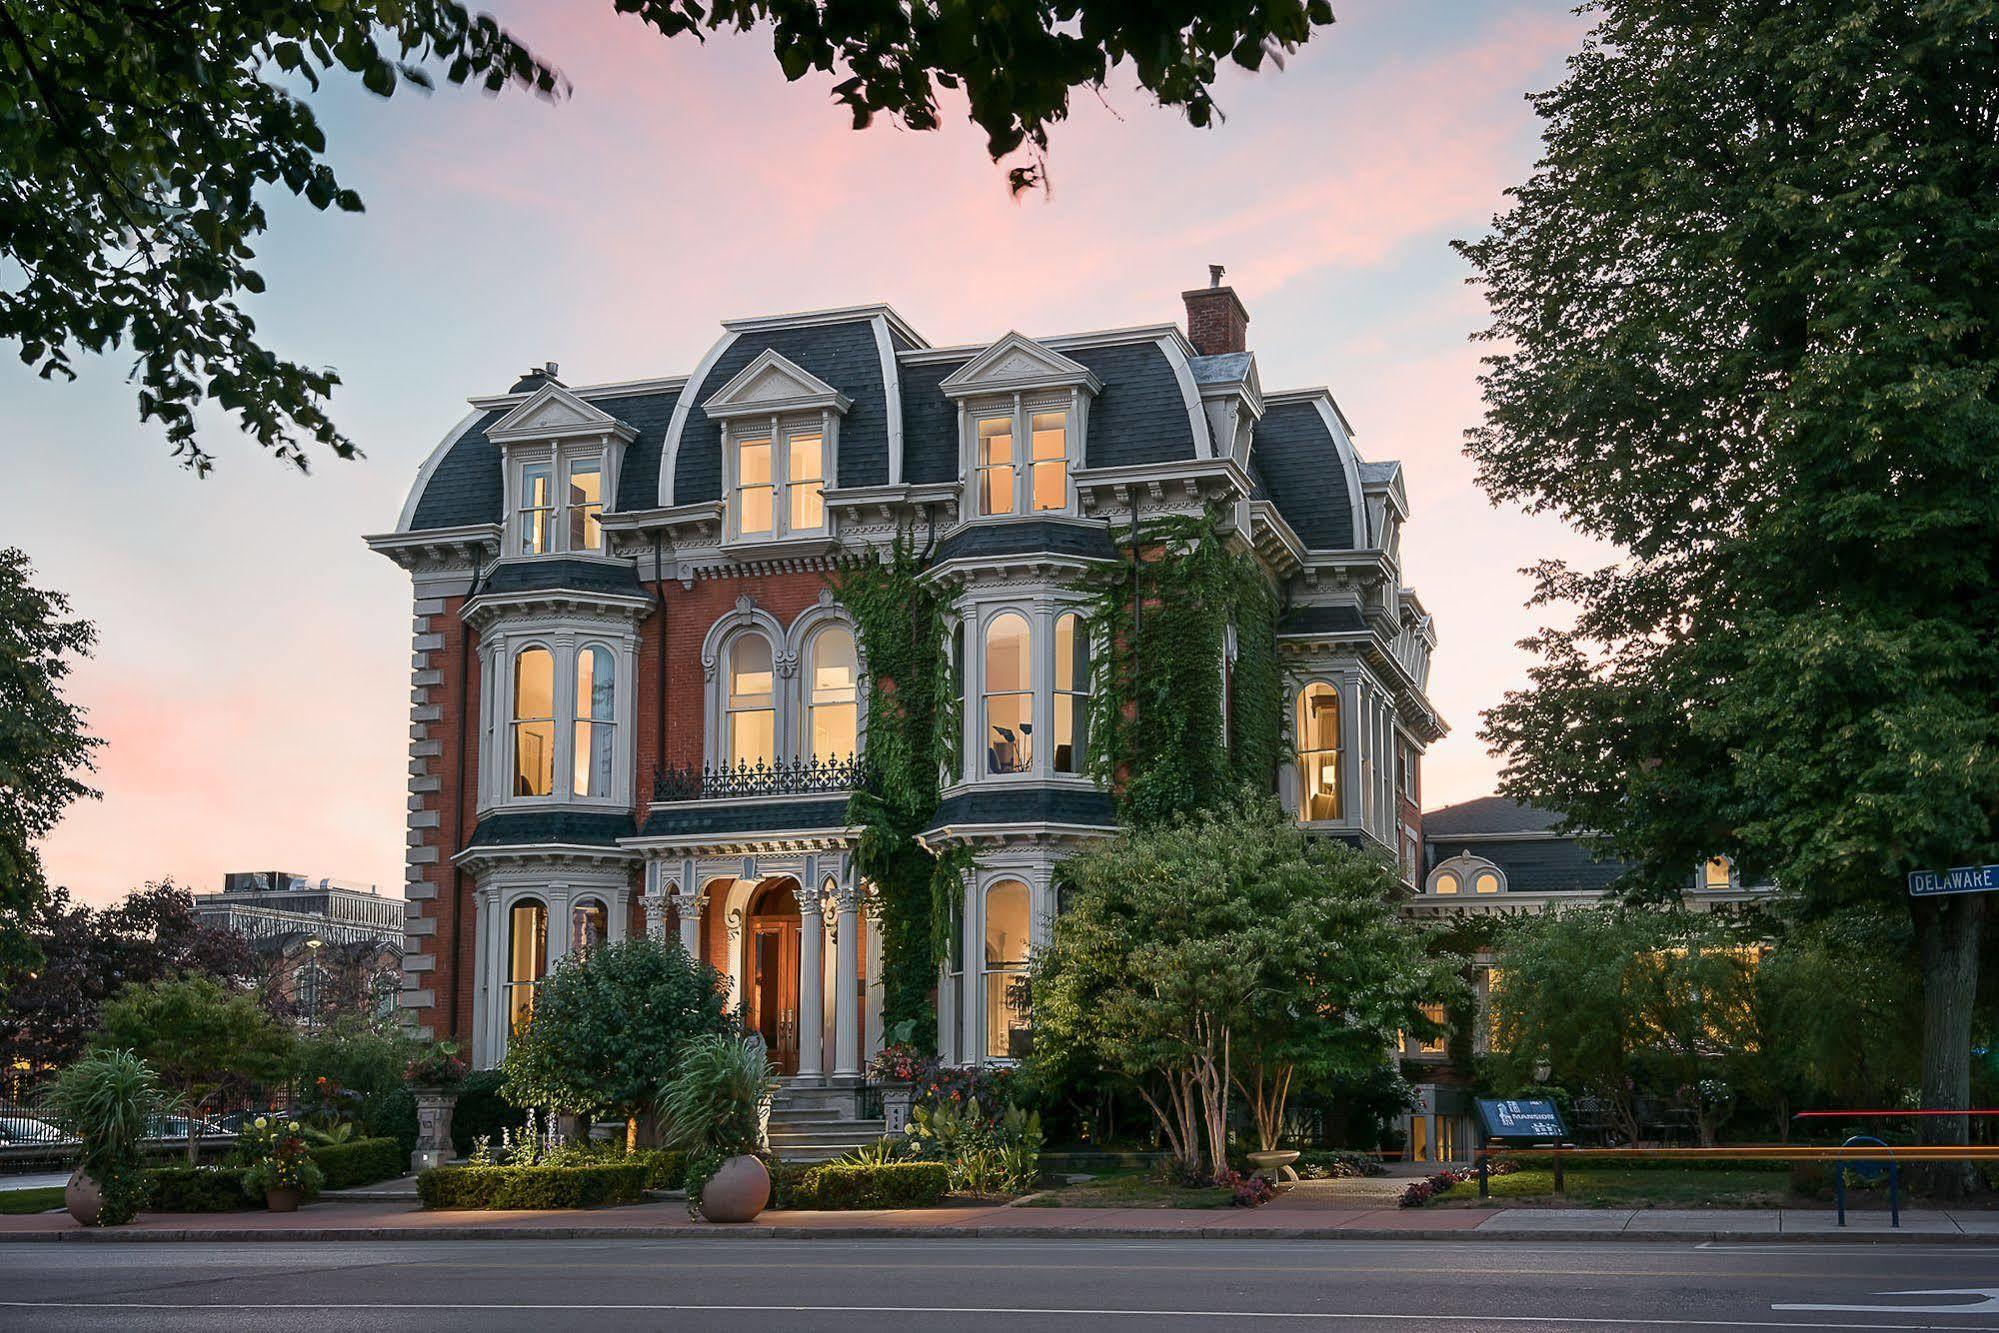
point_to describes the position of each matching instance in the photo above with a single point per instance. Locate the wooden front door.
(771, 967)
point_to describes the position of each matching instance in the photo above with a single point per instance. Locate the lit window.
(958, 692)
(587, 922)
(834, 705)
(1485, 881)
(595, 734)
(527, 957)
(1072, 693)
(1049, 439)
(1006, 968)
(586, 504)
(752, 703)
(995, 465)
(805, 482)
(1719, 873)
(756, 488)
(1432, 1045)
(534, 723)
(1319, 751)
(1446, 882)
(1009, 696)
(537, 509)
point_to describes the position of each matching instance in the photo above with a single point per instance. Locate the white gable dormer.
(1023, 417)
(780, 446)
(561, 457)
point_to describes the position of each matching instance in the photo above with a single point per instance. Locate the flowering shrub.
(536, 1143)
(1422, 1191)
(986, 1155)
(277, 1158)
(988, 1085)
(1246, 1191)
(436, 1066)
(901, 1062)
(1337, 1166)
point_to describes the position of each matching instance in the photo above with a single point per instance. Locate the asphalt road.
(1159, 1286)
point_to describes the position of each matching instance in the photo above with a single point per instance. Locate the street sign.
(1531, 1120)
(1961, 879)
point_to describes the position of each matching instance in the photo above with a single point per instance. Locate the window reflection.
(1319, 751)
(1009, 696)
(534, 722)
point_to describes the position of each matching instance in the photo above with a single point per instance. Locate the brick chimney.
(1216, 320)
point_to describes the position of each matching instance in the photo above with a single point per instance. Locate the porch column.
(687, 906)
(482, 974)
(655, 900)
(811, 986)
(846, 980)
(871, 1029)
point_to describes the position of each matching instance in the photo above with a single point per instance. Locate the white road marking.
(1342, 1315)
(1987, 1303)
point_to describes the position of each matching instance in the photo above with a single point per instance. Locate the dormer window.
(780, 437)
(562, 456)
(537, 522)
(569, 520)
(585, 504)
(1022, 411)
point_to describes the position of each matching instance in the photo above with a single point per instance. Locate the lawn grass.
(1610, 1187)
(1129, 1189)
(31, 1201)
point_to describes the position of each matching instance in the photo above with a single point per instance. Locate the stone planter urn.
(283, 1198)
(1275, 1166)
(433, 1127)
(82, 1198)
(737, 1192)
(896, 1101)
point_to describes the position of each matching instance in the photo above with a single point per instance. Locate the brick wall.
(437, 980)
(1216, 320)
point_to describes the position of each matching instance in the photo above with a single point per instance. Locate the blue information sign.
(1507, 1119)
(1961, 879)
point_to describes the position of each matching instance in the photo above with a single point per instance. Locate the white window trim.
(780, 429)
(790, 691)
(498, 649)
(1041, 614)
(1020, 407)
(558, 457)
(1467, 868)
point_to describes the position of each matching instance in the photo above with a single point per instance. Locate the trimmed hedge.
(360, 1162)
(1545, 1161)
(882, 1185)
(197, 1189)
(531, 1186)
(666, 1168)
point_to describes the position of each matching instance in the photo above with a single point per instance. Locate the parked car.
(176, 1127)
(20, 1130)
(236, 1121)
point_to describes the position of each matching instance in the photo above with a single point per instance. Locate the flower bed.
(1422, 1191)
(837, 1186)
(512, 1187)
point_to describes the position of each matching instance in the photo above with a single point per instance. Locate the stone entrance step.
(817, 1124)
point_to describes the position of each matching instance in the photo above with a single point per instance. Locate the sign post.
(1519, 1122)
(1958, 879)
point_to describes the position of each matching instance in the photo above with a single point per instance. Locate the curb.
(110, 1236)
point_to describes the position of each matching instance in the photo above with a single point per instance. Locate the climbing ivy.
(910, 704)
(1161, 619)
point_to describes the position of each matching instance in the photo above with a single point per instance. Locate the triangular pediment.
(1017, 362)
(553, 413)
(774, 383)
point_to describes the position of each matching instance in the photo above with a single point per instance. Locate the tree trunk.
(1947, 934)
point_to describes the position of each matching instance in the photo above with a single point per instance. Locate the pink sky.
(251, 678)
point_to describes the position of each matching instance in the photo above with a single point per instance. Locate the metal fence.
(31, 1142)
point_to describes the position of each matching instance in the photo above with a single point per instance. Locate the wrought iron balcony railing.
(798, 777)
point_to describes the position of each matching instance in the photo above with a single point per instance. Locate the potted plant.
(105, 1100)
(280, 1167)
(898, 1067)
(433, 1075)
(713, 1108)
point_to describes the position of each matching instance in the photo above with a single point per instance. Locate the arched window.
(596, 738)
(958, 693)
(1485, 881)
(1445, 882)
(1009, 695)
(1319, 751)
(588, 922)
(527, 956)
(752, 720)
(1072, 693)
(1005, 968)
(534, 723)
(833, 708)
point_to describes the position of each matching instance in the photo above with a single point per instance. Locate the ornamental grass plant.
(106, 1099)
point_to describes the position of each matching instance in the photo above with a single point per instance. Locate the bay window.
(596, 726)
(1008, 703)
(1319, 752)
(1005, 967)
(527, 957)
(1072, 693)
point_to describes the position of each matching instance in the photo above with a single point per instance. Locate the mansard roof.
(1301, 459)
(1088, 539)
(1489, 814)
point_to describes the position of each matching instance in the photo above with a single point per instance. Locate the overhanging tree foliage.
(1746, 306)
(608, 1025)
(1229, 949)
(136, 135)
(43, 746)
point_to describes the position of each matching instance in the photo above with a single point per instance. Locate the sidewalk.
(1289, 1218)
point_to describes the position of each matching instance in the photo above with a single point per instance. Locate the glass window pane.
(808, 506)
(534, 683)
(1485, 882)
(996, 490)
(534, 758)
(1049, 444)
(1319, 718)
(1050, 432)
(753, 463)
(586, 502)
(595, 683)
(1719, 873)
(1446, 883)
(835, 666)
(1322, 786)
(753, 737)
(592, 758)
(995, 441)
(1072, 653)
(1051, 486)
(1007, 654)
(755, 496)
(1006, 992)
(1072, 732)
(835, 728)
(808, 459)
(1006, 924)
(1009, 733)
(749, 669)
(537, 508)
(754, 512)
(587, 923)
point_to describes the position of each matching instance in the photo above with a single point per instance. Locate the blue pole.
(1839, 1189)
(1894, 1193)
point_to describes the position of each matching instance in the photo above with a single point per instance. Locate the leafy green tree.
(362, 1067)
(1227, 949)
(1743, 321)
(607, 1028)
(43, 745)
(199, 1037)
(136, 136)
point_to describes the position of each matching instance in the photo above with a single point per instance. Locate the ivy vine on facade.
(823, 656)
